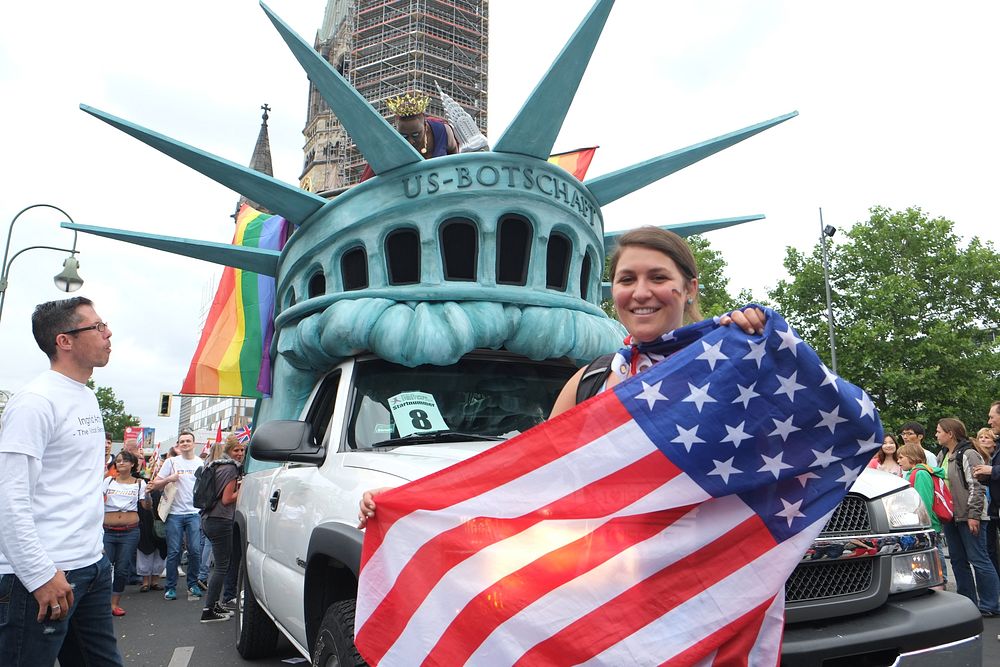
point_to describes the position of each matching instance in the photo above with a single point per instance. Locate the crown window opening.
(557, 257)
(402, 253)
(317, 284)
(354, 269)
(585, 270)
(514, 236)
(459, 249)
(291, 297)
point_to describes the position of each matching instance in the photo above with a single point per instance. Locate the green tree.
(113, 412)
(915, 315)
(713, 293)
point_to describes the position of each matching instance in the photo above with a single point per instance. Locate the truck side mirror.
(286, 440)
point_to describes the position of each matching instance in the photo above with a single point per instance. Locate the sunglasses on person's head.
(100, 326)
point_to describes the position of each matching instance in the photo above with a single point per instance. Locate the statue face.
(413, 130)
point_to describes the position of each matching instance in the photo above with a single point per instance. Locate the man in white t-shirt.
(53, 574)
(183, 519)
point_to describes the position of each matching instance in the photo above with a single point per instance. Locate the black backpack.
(206, 495)
(594, 377)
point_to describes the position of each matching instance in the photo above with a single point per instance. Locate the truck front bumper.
(938, 628)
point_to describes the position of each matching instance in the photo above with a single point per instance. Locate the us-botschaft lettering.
(488, 176)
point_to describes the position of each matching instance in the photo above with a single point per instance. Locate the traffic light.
(165, 399)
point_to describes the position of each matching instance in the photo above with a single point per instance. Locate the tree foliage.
(915, 315)
(713, 291)
(113, 412)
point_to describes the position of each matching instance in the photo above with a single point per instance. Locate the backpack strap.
(594, 377)
(960, 462)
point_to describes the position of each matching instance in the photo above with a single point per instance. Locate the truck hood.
(874, 483)
(415, 461)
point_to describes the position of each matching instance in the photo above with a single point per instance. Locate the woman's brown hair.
(955, 427)
(913, 452)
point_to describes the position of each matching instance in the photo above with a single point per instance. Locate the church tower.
(260, 160)
(385, 48)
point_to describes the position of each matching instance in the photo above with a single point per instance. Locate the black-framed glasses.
(100, 326)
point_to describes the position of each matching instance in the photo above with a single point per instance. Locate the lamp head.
(69, 280)
(829, 230)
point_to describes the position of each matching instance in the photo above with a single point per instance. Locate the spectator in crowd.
(966, 539)
(989, 475)
(182, 519)
(123, 494)
(913, 433)
(885, 459)
(237, 452)
(109, 460)
(219, 526)
(921, 476)
(131, 445)
(215, 452)
(152, 551)
(55, 582)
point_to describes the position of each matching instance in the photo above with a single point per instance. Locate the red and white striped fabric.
(594, 540)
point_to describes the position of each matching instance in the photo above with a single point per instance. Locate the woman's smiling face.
(650, 293)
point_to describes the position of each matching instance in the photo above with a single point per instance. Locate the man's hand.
(982, 471)
(974, 527)
(54, 597)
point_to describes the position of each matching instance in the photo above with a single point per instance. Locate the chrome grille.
(850, 517)
(814, 581)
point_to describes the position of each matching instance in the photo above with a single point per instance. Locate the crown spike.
(294, 204)
(380, 143)
(258, 260)
(617, 184)
(534, 130)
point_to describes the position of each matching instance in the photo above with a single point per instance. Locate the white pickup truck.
(861, 595)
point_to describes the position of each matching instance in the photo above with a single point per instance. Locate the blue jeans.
(967, 549)
(85, 637)
(120, 547)
(179, 525)
(206, 555)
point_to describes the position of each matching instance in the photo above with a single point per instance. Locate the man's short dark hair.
(54, 317)
(915, 427)
(185, 432)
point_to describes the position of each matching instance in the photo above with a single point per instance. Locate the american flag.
(243, 435)
(656, 523)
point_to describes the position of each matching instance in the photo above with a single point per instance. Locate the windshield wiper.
(444, 435)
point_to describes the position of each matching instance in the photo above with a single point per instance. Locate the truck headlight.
(905, 509)
(913, 571)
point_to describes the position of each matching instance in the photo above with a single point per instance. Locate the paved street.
(157, 633)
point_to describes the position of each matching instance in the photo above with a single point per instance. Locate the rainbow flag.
(232, 357)
(575, 162)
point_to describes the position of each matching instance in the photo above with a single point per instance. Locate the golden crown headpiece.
(409, 104)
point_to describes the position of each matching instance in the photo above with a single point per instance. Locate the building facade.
(386, 48)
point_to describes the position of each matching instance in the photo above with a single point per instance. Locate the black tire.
(335, 642)
(256, 633)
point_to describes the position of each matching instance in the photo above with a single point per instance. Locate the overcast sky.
(898, 104)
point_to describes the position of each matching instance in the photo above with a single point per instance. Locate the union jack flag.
(243, 435)
(656, 523)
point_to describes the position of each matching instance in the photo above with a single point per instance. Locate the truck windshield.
(478, 397)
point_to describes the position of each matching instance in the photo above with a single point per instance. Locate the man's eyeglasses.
(100, 326)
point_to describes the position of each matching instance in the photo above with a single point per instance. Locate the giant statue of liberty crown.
(431, 259)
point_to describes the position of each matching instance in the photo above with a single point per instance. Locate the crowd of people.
(970, 468)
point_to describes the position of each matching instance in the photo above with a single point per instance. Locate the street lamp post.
(67, 280)
(824, 232)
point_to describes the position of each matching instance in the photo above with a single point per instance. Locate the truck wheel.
(335, 641)
(256, 633)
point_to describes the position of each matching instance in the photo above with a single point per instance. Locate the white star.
(831, 419)
(791, 511)
(712, 354)
(823, 459)
(757, 351)
(788, 341)
(831, 377)
(651, 394)
(848, 477)
(746, 393)
(699, 396)
(784, 429)
(867, 407)
(805, 477)
(724, 469)
(869, 444)
(789, 386)
(687, 437)
(736, 434)
(773, 464)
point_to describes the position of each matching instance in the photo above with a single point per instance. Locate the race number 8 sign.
(416, 412)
